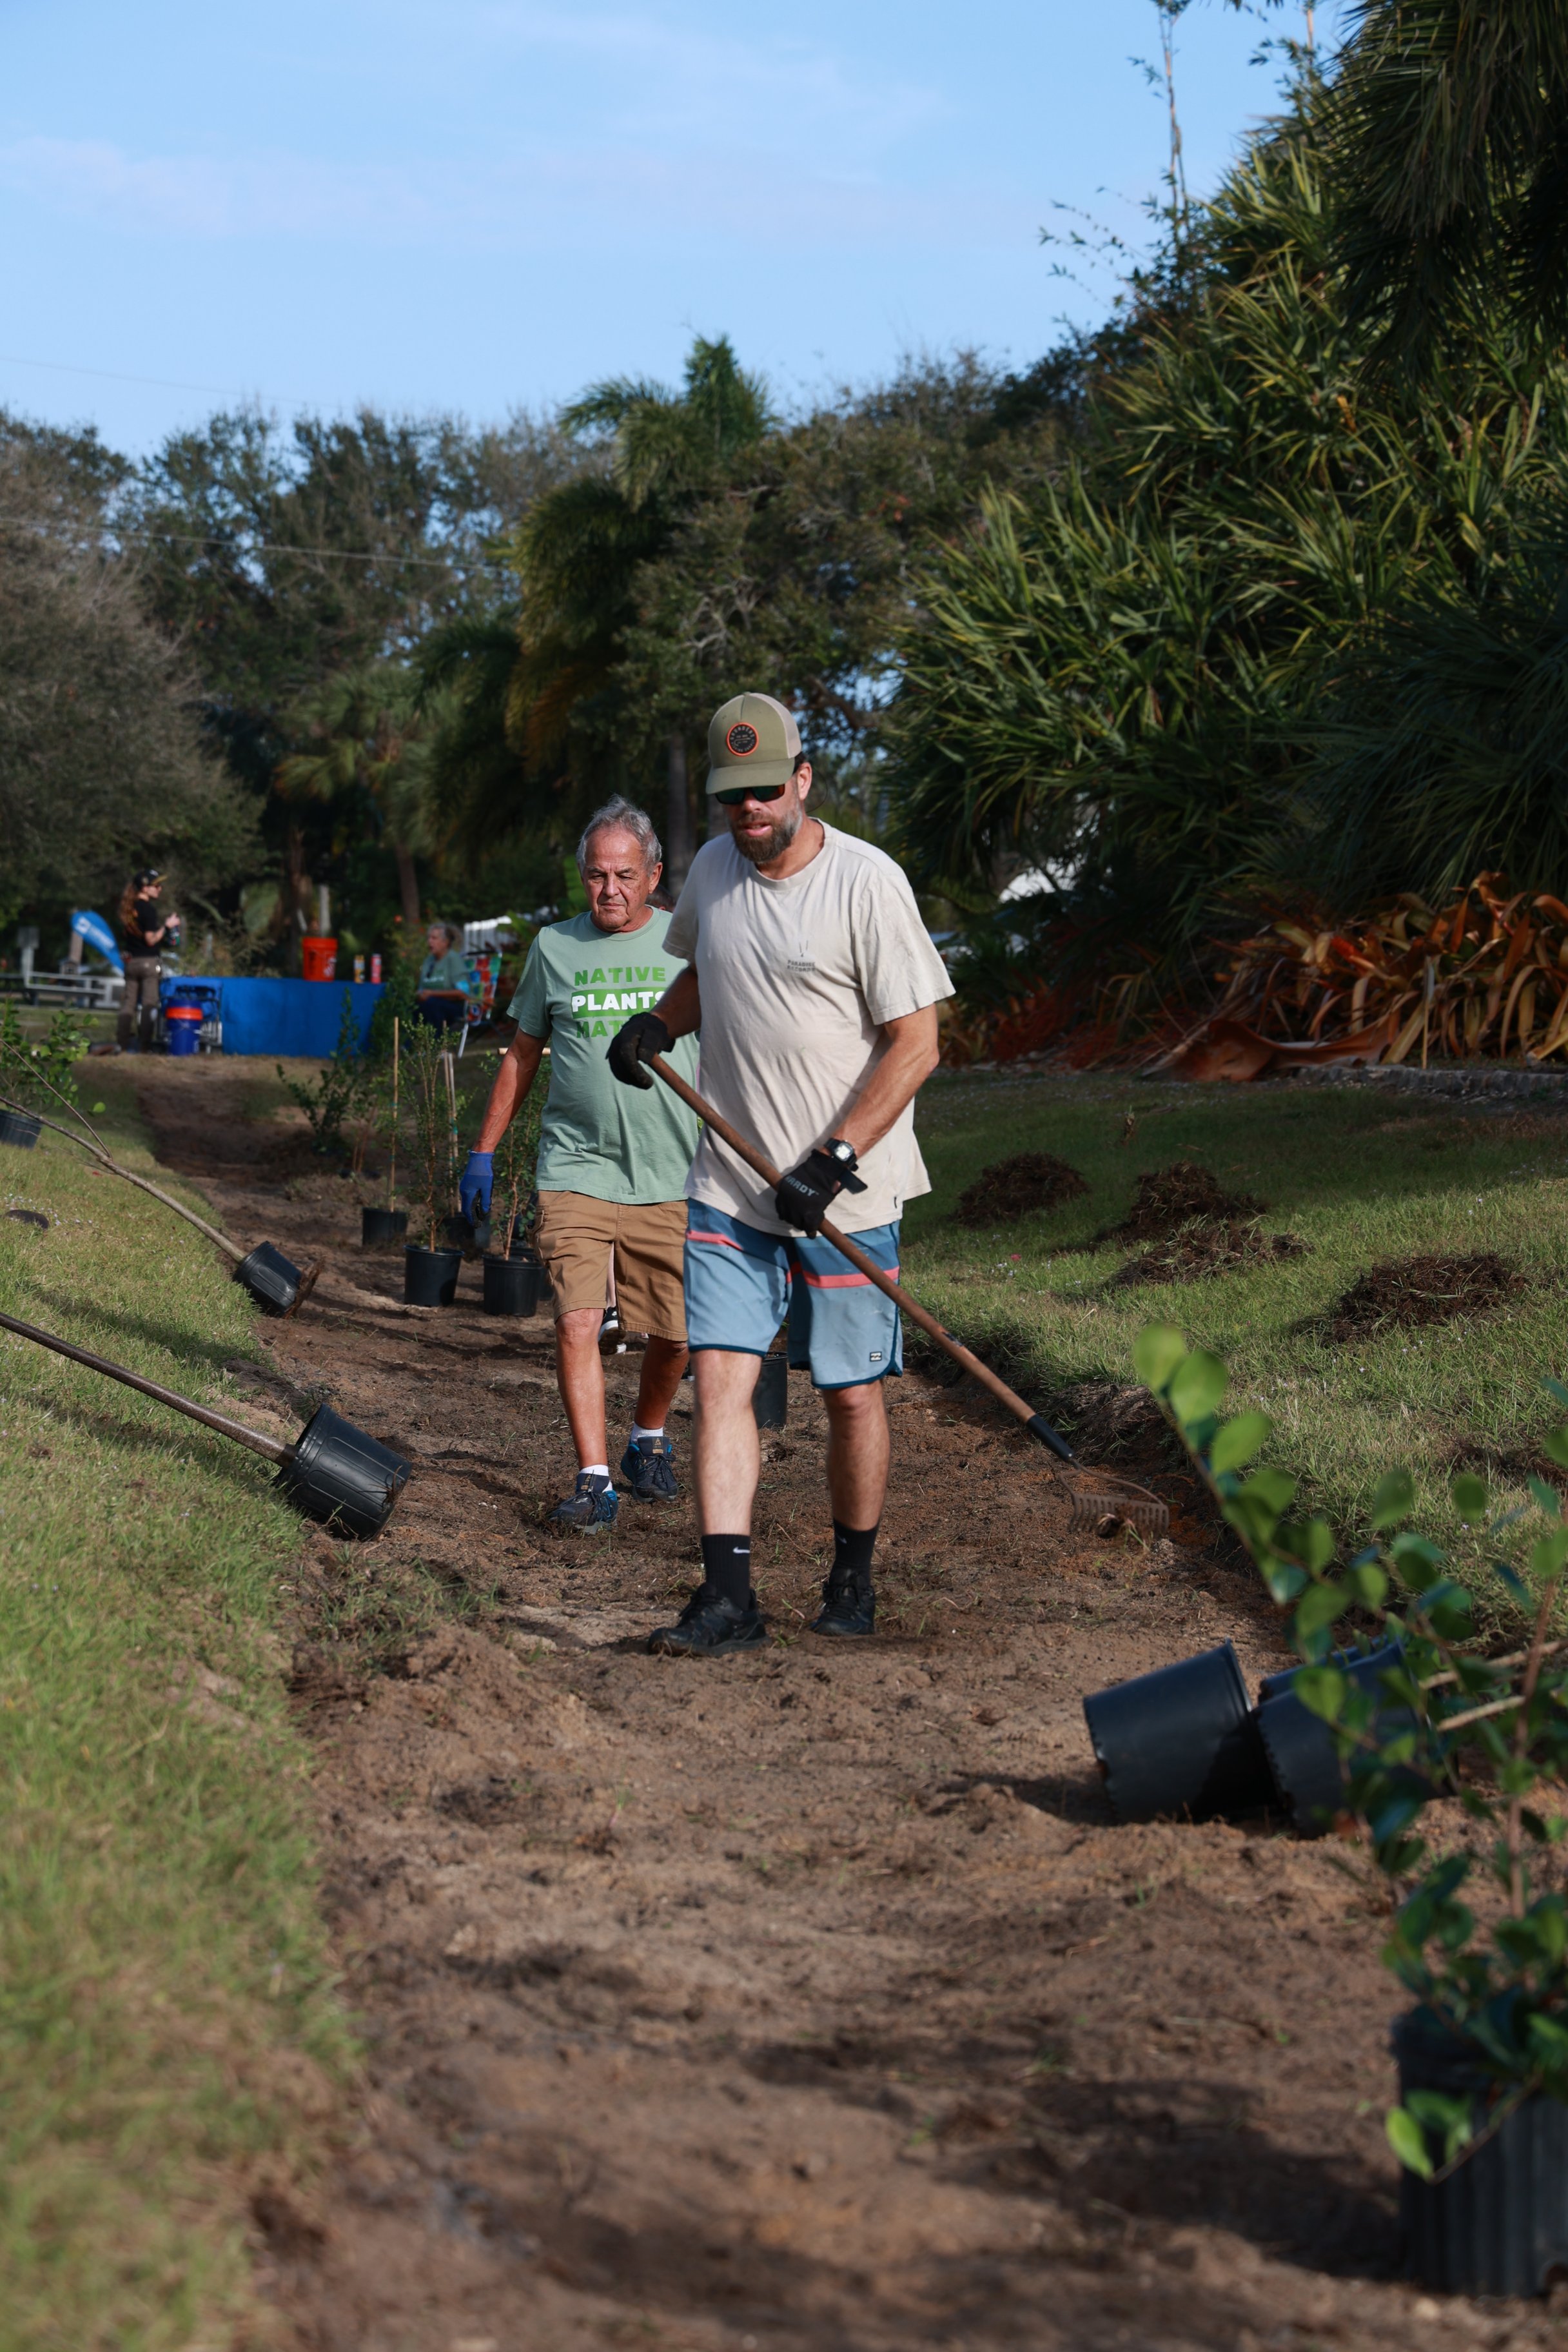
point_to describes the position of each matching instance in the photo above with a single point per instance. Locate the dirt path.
(804, 2000)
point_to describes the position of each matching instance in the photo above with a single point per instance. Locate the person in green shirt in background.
(445, 984)
(612, 1162)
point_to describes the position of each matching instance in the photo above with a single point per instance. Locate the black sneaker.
(846, 1608)
(592, 1505)
(649, 1469)
(711, 1626)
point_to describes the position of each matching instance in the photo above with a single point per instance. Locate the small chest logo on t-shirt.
(803, 960)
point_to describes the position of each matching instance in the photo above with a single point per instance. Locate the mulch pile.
(1016, 1186)
(1405, 1291)
(1222, 1245)
(1170, 1198)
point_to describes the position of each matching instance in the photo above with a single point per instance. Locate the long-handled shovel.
(1089, 1509)
(332, 1472)
(275, 1282)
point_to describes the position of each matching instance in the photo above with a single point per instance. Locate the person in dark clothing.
(143, 926)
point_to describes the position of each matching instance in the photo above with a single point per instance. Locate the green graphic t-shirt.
(613, 1142)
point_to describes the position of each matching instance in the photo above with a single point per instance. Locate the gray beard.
(780, 834)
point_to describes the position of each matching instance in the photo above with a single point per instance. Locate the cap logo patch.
(741, 740)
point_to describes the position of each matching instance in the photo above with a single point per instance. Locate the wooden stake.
(392, 1162)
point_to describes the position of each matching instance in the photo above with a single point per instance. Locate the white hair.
(626, 818)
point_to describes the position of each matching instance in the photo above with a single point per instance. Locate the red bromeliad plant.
(1488, 975)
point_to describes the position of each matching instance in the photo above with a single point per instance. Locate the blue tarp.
(281, 1017)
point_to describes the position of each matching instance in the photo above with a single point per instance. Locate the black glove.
(635, 1043)
(808, 1191)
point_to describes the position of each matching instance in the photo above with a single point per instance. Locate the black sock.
(727, 1566)
(852, 1550)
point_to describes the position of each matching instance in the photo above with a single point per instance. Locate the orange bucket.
(319, 957)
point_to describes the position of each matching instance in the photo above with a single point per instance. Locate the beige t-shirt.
(797, 977)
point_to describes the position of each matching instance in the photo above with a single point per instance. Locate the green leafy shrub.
(38, 1072)
(1487, 1733)
(341, 1092)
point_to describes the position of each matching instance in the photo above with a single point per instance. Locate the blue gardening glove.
(477, 1185)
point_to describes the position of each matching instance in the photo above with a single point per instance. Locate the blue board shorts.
(741, 1284)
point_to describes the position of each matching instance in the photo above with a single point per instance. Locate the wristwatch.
(844, 1153)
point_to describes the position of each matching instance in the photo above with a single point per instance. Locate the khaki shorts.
(576, 1235)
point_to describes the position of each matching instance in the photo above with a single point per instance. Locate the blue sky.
(481, 204)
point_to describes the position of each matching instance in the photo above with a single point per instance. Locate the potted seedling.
(513, 1272)
(37, 1073)
(383, 1227)
(28, 1075)
(430, 1262)
(1481, 2126)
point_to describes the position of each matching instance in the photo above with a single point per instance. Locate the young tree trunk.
(408, 889)
(677, 818)
(296, 886)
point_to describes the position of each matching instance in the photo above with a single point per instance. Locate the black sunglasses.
(749, 792)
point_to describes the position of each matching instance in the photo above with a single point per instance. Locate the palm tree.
(1449, 120)
(580, 549)
(374, 738)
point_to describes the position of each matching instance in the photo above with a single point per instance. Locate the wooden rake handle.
(268, 1448)
(1035, 1423)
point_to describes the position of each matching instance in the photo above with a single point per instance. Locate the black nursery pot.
(382, 1229)
(1300, 1746)
(770, 1397)
(512, 1285)
(1182, 1740)
(338, 1474)
(16, 1127)
(274, 1281)
(1498, 2223)
(430, 1276)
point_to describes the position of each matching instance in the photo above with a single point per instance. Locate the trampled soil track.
(809, 2001)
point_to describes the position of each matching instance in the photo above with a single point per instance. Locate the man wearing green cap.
(816, 984)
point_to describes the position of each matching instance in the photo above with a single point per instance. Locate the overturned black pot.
(1300, 1746)
(1183, 1740)
(337, 1473)
(429, 1276)
(16, 1127)
(277, 1286)
(512, 1285)
(770, 1397)
(332, 1472)
(1498, 2224)
(382, 1229)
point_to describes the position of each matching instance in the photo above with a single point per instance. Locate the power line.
(117, 375)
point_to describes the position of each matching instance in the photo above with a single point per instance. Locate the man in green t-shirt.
(612, 1162)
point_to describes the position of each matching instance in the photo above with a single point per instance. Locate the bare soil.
(1017, 1186)
(1427, 1289)
(807, 2000)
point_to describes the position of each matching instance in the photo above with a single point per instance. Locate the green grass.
(1358, 1175)
(169, 2037)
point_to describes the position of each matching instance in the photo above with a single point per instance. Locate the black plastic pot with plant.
(382, 1229)
(19, 1129)
(512, 1285)
(770, 1397)
(1481, 2124)
(276, 1284)
(332, 1472)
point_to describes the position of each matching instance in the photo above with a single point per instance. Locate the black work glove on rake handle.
(634, 1045)
(808, 1191)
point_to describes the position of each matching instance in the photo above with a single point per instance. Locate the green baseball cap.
(753, 739)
